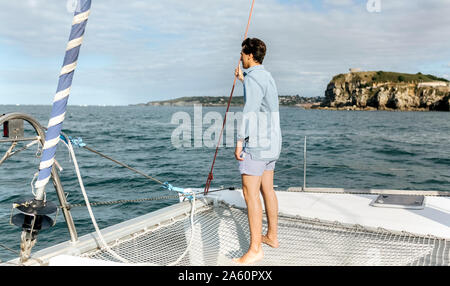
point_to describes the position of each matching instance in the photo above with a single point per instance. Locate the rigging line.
(8, 152)
(78, 142)
(91, 214)
(139, 200)
(210, 175)
(103, 243)
(288, 169)
(123, 165)
(16, 252)
(9, 249)
(19, 139)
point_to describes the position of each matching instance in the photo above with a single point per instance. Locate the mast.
(61, 97)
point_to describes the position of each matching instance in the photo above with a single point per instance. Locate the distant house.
(432, 84)
(354, 70)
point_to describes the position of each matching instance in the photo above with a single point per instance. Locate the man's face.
(245, 59)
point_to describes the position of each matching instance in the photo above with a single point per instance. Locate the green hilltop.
(394, 77)
(380, 90)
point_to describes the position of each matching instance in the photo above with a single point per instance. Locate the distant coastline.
(284, 100)
(356, 90)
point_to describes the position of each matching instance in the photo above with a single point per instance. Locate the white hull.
(328, 206)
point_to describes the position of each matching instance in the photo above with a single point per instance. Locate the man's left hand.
(239, 74)
(238, 151)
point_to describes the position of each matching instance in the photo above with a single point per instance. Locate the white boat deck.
(327, 205)
(345, 208)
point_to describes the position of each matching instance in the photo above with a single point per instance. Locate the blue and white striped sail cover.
(62, 93)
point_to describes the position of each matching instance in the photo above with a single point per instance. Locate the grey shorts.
(254, 167)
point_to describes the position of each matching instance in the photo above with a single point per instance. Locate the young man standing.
(258, 147)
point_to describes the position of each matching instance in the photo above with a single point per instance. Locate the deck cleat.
(32, 218)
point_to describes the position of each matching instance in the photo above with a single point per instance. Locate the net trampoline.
(221, 233)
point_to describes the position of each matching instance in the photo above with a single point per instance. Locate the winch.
(33, 213)
(32, 218)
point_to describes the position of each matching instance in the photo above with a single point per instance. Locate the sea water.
(345, 149)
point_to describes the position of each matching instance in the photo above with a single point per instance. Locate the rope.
(210, 175)
(79, 143)
(8, 152)
(94, 204)
(105, 246)
(94, 222)
(86, 199)
(288, 169)
(9, 249)
(123, 165)
(16, 252)
(182, 192)
(192, 233)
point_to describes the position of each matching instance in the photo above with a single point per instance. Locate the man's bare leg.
(271, 205)
(251, 189)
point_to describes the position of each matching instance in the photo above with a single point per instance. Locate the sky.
(137, 51)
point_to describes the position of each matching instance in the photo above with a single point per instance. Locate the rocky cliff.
(387, 91)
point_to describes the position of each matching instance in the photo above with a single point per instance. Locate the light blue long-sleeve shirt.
(261, 117)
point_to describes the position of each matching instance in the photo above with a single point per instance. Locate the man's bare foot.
(270, 242)
(250, 257)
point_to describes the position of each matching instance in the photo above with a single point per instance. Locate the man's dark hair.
(256, 47)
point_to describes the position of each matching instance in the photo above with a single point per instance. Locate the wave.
(394, 151)
(440, 161)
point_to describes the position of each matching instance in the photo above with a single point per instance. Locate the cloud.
(338, 2)
(137, 51)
